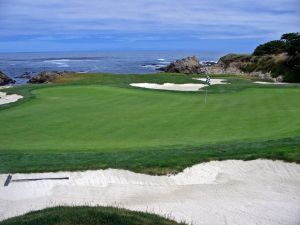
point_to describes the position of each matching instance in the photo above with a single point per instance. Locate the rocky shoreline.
(189, 65)
(47, 77)
(235, 64)
(276, 61)
(229, 64)
(40, 78)
(5, 80)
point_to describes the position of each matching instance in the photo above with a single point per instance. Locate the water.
(134, 62)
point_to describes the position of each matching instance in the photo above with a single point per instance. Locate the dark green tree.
(290, 67)
(271, 47)
(292, 41)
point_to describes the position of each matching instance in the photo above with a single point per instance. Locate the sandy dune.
(228, 192)
(178, 87)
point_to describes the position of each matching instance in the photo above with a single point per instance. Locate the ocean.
(21, 66)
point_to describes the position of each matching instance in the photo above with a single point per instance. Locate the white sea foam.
(152, 66)
(59, 62)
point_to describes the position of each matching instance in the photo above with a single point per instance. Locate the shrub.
(263, 58)
(292, 41)
(271, 47)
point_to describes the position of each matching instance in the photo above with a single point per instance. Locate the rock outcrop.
(4, 79)
(189, 65)
(248, 65)
(264, 67)
(26, 75)
(228, 64)
(47, 77)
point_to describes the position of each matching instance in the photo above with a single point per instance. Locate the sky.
(103, 25)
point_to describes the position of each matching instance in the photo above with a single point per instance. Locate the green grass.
(99, 121)
(160, 161)
(88, 216)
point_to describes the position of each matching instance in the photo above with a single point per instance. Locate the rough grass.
(88, 216)
(99, 121)
(164, 160)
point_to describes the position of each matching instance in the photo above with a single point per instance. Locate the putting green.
(102, 118)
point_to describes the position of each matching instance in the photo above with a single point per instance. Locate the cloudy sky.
(206, 25)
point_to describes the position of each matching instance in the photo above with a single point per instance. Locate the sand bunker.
(178, 87)
(5, 99)
(264, 82)
(4, 87)
(170, 86)
(213, 81)
(228, 192)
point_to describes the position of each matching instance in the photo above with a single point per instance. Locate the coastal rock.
(4, 79)
(228, 64)
(247, 65)
(189, 65)
(26, 75)
(237, 64)
(47, 77)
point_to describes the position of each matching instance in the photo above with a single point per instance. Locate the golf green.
(99, 118)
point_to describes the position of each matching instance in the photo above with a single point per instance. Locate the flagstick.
(207, 84)
(205, 94)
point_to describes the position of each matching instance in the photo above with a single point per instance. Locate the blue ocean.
(20, 66)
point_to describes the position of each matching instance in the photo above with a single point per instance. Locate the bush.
(292, 41)
(289, 68)
(271, 47)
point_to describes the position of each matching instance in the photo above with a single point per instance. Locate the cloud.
(147, 19)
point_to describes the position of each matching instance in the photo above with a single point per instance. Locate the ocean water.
(131, 62)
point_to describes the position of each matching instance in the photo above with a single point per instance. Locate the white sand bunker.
(5, 99)
(4, 87)
(178, 87)
(228, 192)
(170, 86)
(264, 82)
(213, 81)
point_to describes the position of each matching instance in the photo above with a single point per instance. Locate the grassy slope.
(87, 215)
(100, 122)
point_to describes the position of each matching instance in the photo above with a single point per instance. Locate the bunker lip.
(179, 87)
(209, 193)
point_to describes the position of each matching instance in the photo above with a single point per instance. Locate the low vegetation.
(280, 58)
(88, 215)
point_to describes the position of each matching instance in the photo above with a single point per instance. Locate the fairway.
(67, 119)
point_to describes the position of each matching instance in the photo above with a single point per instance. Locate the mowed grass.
(100, 122)
(89, 216)
(101, 118)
